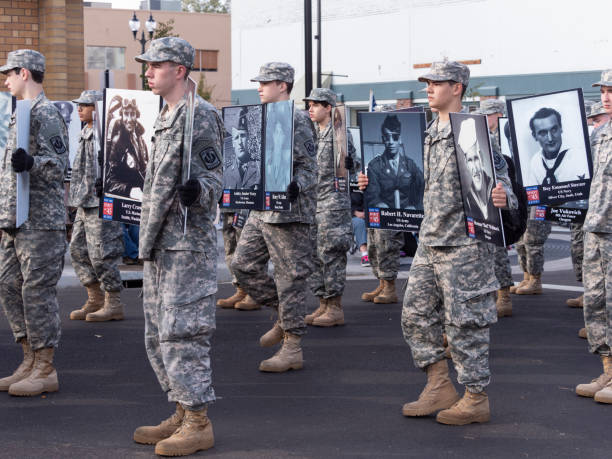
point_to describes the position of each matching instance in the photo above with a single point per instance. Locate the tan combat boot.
(194, 434)
(471, 408)
(605, 394)
(582, 333)
(232, 300)
(112, 310)
(439, 392)
(272, 336)
(533, 286)
(289, 357)
(521, 283)
(42, 378)
(24, 368)
(95, 300)
(597, 384)
(247, 304)
(388, 294)
(504, 303)
(333, 314)
(369, 296)
(150, 435)
(317, 312)
(576, 302)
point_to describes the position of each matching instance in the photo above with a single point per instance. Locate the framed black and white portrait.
(70, 114)
(278, 154)
(129, 118)
(242, 154)
(7, 103)
(477, 177)
(392, 158)
(551, 146)
(340, 147)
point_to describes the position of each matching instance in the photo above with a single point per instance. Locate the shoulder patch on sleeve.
(58, 144)
(500, 162)
(310, 147)
(210, 158)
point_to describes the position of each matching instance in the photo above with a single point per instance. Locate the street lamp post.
(150, 25)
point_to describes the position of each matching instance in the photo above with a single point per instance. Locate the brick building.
(53, 27)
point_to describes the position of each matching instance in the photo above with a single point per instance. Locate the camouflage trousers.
(331, 238)
(31, 264)
(231, 236)
(179, 309)
(503, 270)
(597, 278)
(95, 249)
(577, 249)
(384, 248)
(287, 246)
(530, 247)
(452, 290)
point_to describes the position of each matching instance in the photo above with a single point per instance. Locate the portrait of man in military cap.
(550, 138)
(70, 114)
(392, 153)
(340, 140)
(475, 166)
(242, 147)
(128, 126)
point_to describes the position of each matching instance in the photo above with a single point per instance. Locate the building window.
(205, 60)
(106, 57)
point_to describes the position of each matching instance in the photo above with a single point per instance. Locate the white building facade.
(513, 47)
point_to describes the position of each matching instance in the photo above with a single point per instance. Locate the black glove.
(349, 163)
(293, 189)
(189, 192)
(21, 161)
(98, 187)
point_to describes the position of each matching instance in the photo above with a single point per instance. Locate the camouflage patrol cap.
(89, 97)
(169, 49)
(322, 95)
(447, 71)
(275, 71)
(24, 58)
(490, 106)
(606, 79)
(596, 109)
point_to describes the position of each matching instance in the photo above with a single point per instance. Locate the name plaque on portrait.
(128, 129)
(257, 156)
(477, 177)
(392, 158)
(550, 143)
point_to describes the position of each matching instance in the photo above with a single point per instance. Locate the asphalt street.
(347, 400)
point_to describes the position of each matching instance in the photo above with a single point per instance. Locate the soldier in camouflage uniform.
(452, 281)
(231, 234)
(179, 275)
(384, 246)
(96, 245)
(597, 264)
(32, 255)
(530, 250)
(494, 109)
(331, 235)
(282, 237)
(596, 115)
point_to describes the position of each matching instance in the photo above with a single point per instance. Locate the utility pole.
(308, 46)
(318, 37)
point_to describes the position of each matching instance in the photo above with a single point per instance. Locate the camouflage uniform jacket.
(444, 221)
(599, 215)
(495, 145)
(304, 173)
(83, 181)
(161, 220)
(48, 146)
(327, 197)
